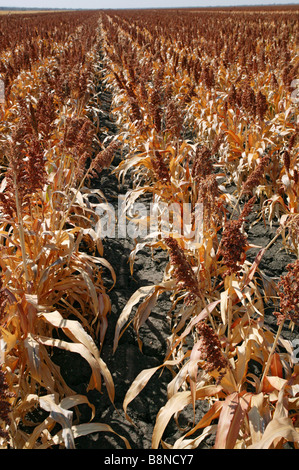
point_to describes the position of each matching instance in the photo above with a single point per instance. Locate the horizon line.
(152, 8)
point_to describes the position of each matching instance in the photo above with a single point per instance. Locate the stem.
(235, 206)
(231, 373)
(21, 232)
(279, 233)
(209, 314)
(269, 360)
(229, 313)
(70, 206)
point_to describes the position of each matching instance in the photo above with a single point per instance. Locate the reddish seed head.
(183, 271)
(210, 349)
(289, 295)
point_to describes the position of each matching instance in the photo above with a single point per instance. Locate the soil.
(128, 360)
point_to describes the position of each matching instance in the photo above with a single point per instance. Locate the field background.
(189, 346)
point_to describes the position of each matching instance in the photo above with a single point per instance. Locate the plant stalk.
(269, 360)
(21, 232)
(229, 312)
(70, 205)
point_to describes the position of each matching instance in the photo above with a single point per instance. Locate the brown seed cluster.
(247, 209)
(289, 295)
(232, 247)
(160, 168)
(79, 136)
(183, 272)
(208, 193)
(208, 76)
(261, 105)
(174, 119)
(293, 138)
(210, 349)
(44, 114)
(104, 158)
(26, 173)
(255, 176)
(208, 196)
(3, 299)
(286, 160)
(249, 100)
(217, 142)
(202, 165)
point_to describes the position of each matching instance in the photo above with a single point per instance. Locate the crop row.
(208, 118)
(52, 292)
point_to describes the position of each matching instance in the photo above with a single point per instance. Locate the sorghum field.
(149, 229)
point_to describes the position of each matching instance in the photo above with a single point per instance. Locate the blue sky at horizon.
(123, 4)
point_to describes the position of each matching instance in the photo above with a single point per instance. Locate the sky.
(119, 4)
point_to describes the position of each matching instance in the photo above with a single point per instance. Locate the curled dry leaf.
(278, 428)
(177, 403)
